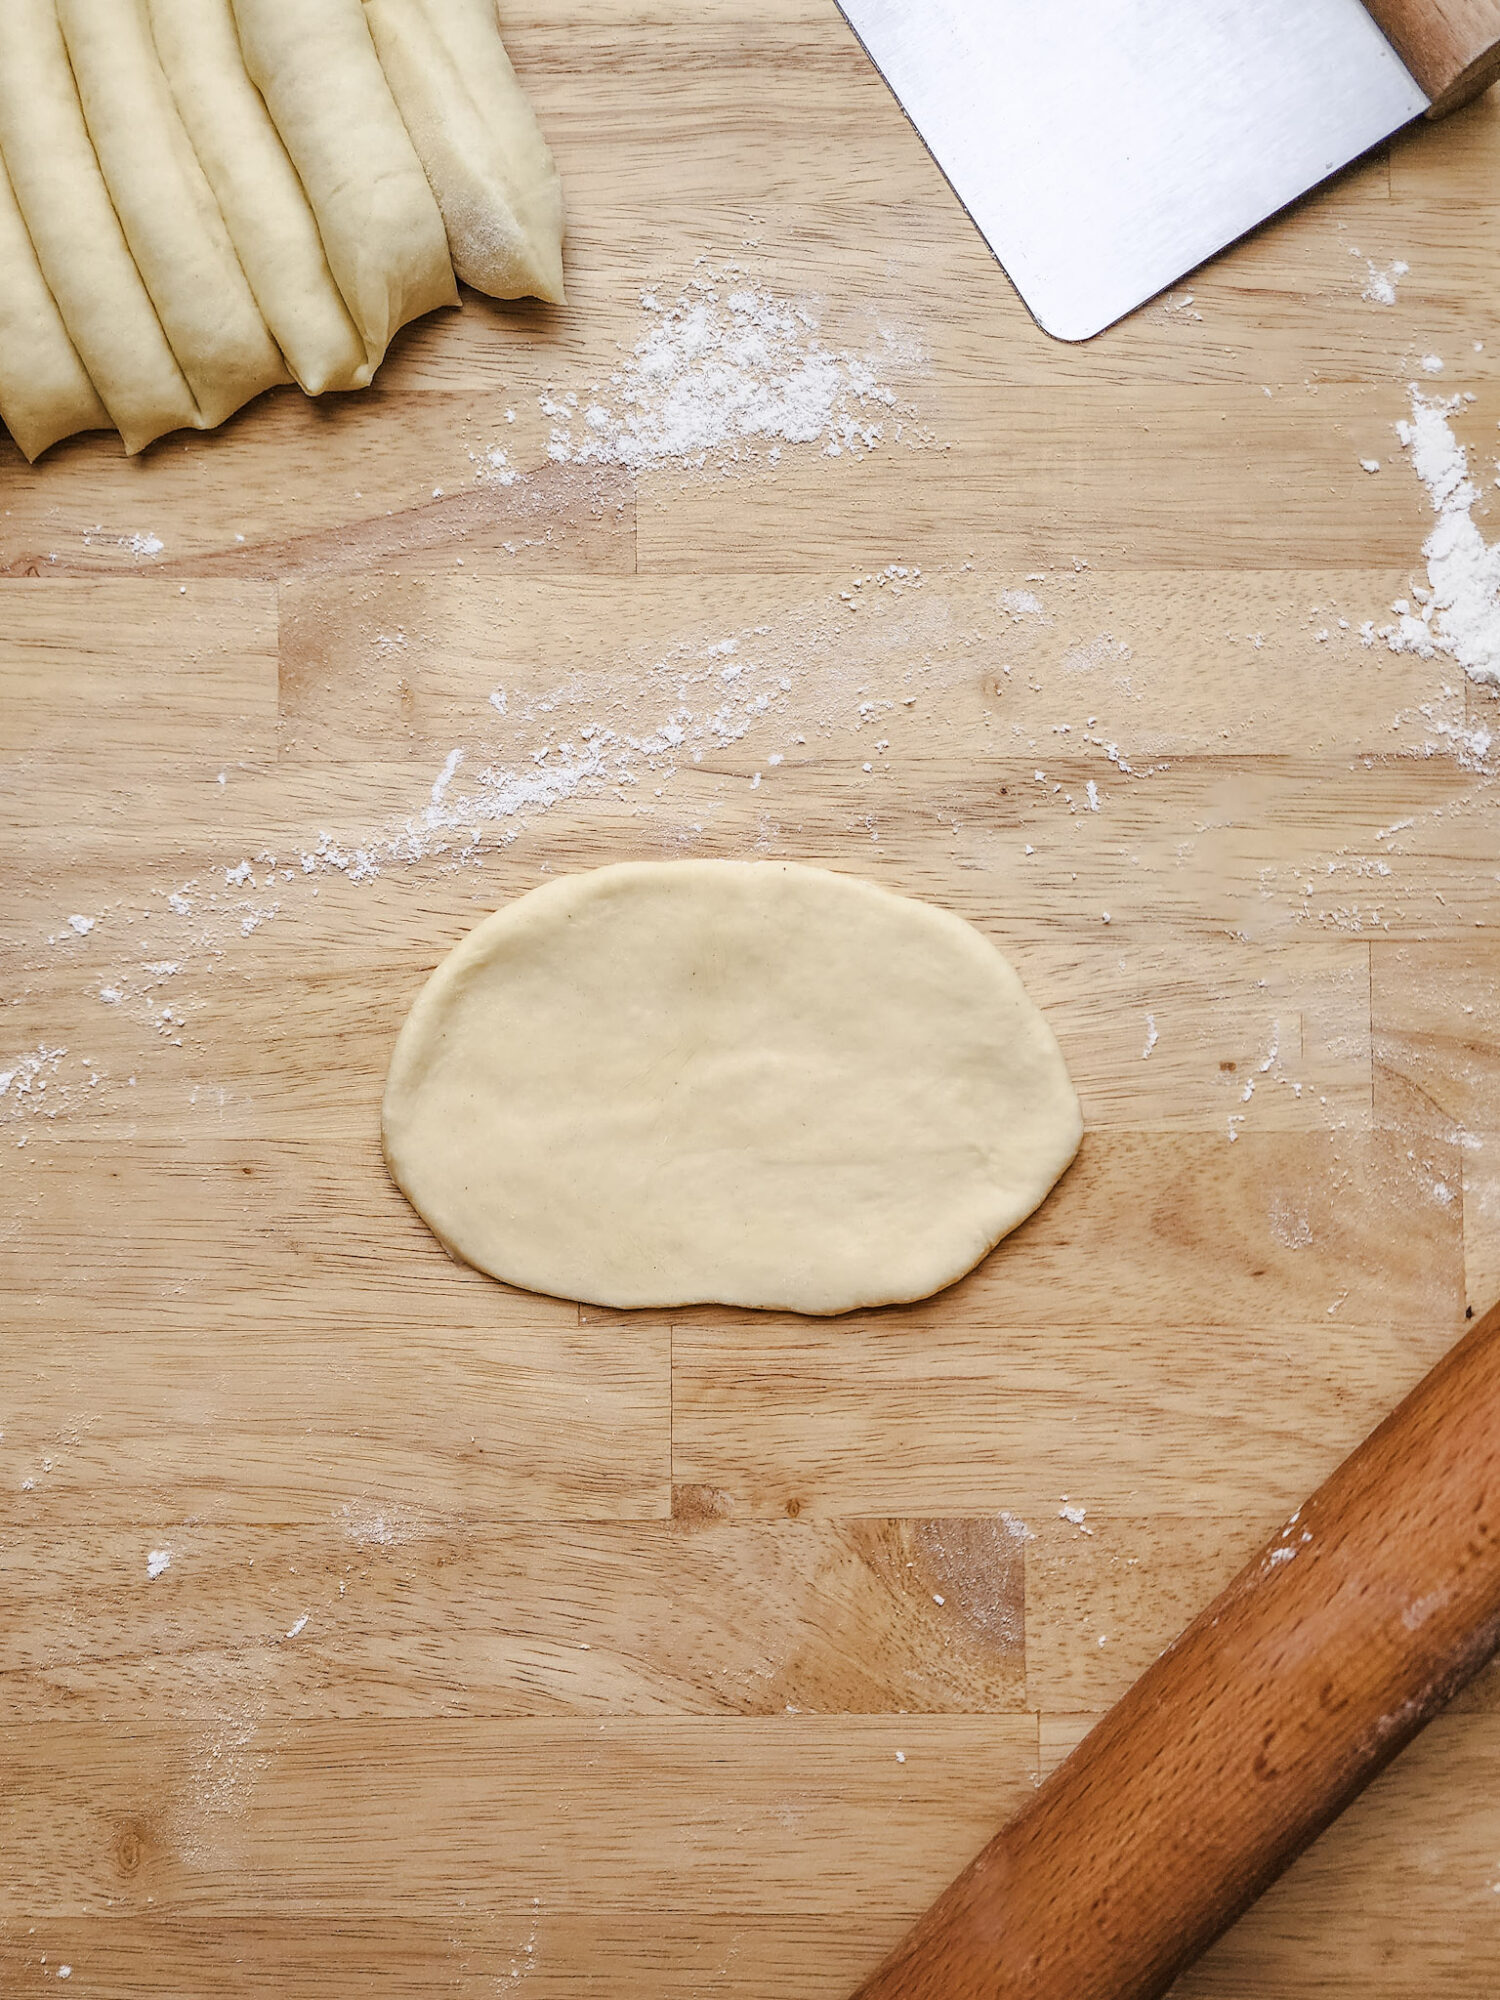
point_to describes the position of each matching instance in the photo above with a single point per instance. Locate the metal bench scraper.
(1105, 148)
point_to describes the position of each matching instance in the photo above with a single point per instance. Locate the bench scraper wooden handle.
(1451, 47)
(1327, 1654)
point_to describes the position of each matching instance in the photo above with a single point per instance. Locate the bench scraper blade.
(1105, 148)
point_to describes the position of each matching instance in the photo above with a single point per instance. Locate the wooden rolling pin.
(1375, 1603)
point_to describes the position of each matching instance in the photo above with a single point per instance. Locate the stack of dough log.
(200, 199)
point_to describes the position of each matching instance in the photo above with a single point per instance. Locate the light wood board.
(682, 1655)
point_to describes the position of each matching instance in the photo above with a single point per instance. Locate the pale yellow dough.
(315, 65)
(751, 1083)
(77, 235)
(260, 197)
(473, 126)
(45, 392)
(167, 209)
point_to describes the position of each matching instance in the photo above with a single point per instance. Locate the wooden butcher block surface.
(496, 1646)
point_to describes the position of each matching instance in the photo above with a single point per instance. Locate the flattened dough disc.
(750, 1083)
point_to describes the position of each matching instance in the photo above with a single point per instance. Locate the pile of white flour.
(1457, 611)
(724, 369)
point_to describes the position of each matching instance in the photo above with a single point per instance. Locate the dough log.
(167, 209)
(316, 67)
(45, 392)
(270, 224)
(200, 199)
(473, 126)
(76, 234)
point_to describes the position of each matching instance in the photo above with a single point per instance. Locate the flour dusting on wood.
(724, 371)
(1380, 284)
(1457, 612)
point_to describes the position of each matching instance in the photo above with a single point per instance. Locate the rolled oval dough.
(748, 1083)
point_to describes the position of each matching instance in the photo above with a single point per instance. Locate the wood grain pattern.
(1382, 1874)
(1452, 47)
(409, 1615)
(1358, 1619)
(225, 1335)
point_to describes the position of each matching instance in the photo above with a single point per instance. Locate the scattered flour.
(220, 1704)
(1104, 650)
(629, 723)
(726, 367)
(382, 1528)
(157, 1561)
(142, 543)
(620, 730)
(300, 1626)
(1151, 1036)
(1459, 612)
(1290, 1224)
(617, 731)
(493, 466)
(82, 925)
(33, 1086)
(26, 1079)
(444, 777)
(1380, 286)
